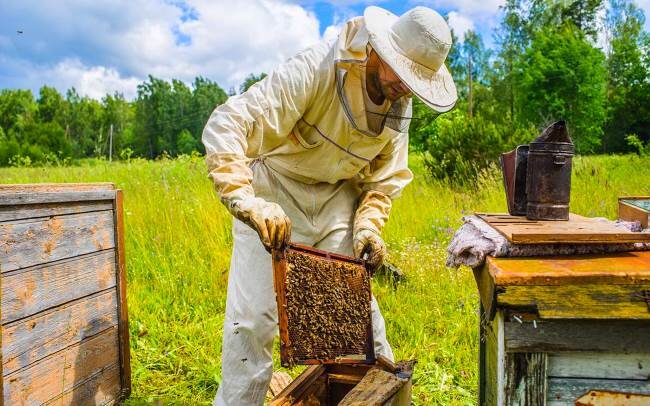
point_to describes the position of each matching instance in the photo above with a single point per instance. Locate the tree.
(250, 81)
(563, 77)
(628, 86)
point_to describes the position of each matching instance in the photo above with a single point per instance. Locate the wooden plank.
(62, 371)
(565, 391)
(526, 379)
(619, 268)
(376, 387)
(9, 188)
(589, 301)
(299, 386)
(25, 243)
(28, 291)
(494, 362)
(486, 289)
(629, 212)
(603, 398)
(125, 347)
(9, 213)
(16, 199)
(599, 365)
(619, 336)
(101, 388)
(29, 340)
(577, 229)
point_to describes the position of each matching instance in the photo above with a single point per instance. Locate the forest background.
(585, 61)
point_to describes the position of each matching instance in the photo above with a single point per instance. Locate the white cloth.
(476, 239)
(321, 216)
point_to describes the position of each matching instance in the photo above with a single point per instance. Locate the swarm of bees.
(328, 307)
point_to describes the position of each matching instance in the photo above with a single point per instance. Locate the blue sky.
(104, 46)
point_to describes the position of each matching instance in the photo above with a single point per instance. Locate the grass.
(178, 250)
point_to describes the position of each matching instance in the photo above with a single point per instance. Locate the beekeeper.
(315, 153)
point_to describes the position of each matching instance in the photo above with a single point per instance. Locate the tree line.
(585, 61)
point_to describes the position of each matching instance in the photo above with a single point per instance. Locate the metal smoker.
(537, 176)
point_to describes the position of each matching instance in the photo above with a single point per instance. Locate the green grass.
(178, 249)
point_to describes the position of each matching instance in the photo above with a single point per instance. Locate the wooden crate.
(634, 209)
(565, 330)
(65, 337)
(380, 384)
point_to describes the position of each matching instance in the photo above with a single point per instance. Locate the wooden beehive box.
(635, 209)
(565, 330)
(65, 337)
(381, 384)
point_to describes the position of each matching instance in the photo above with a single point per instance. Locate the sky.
(107, 46)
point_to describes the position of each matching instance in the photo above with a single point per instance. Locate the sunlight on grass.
(178, 251)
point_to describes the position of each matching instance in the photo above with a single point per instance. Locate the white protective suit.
(299, 138)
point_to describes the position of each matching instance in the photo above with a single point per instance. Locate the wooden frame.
(279, 278)
(93, 262)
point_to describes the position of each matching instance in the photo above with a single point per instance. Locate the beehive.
(323, 307)
(635, 209)
(380, 384)
(64, 317)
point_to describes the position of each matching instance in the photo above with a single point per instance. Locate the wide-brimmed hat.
(415, 45)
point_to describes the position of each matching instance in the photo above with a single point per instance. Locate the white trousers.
(321, 216)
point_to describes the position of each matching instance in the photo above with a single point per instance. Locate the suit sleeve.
(263, 115)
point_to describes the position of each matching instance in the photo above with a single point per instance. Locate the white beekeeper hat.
(415, 45)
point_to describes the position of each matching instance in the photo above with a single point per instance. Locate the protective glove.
(268, 219)
(368, 242)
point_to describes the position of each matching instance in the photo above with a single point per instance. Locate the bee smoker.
(537, 176)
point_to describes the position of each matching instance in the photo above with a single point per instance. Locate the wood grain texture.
(494, 380)
(577, 229)
(599, 365)
(602, 398)
(100, 389)
(526, 379)
(29, 340)
(17, 199)
(620, 268)
(297, 389)
(53, 187)
(376, 387)
(8, 213)
(62, 371)
(563, 391)
(25, 243)
(630, 212)
(617, 336)
(124, 342)
(589, 301)
(28, 291)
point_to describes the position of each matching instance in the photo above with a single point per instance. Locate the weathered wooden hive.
(564, 330)
(324, 318)
(65, 336)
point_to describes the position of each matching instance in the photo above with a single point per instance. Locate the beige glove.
(368, 242)
(268, 219)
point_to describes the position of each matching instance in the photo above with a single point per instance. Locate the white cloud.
(460, 24)
(112, 45)
(95, 81)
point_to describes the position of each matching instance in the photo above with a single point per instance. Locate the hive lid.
(323, 307)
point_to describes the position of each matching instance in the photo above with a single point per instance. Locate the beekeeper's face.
(391, 85)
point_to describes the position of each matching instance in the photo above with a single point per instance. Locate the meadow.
(178, 245)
